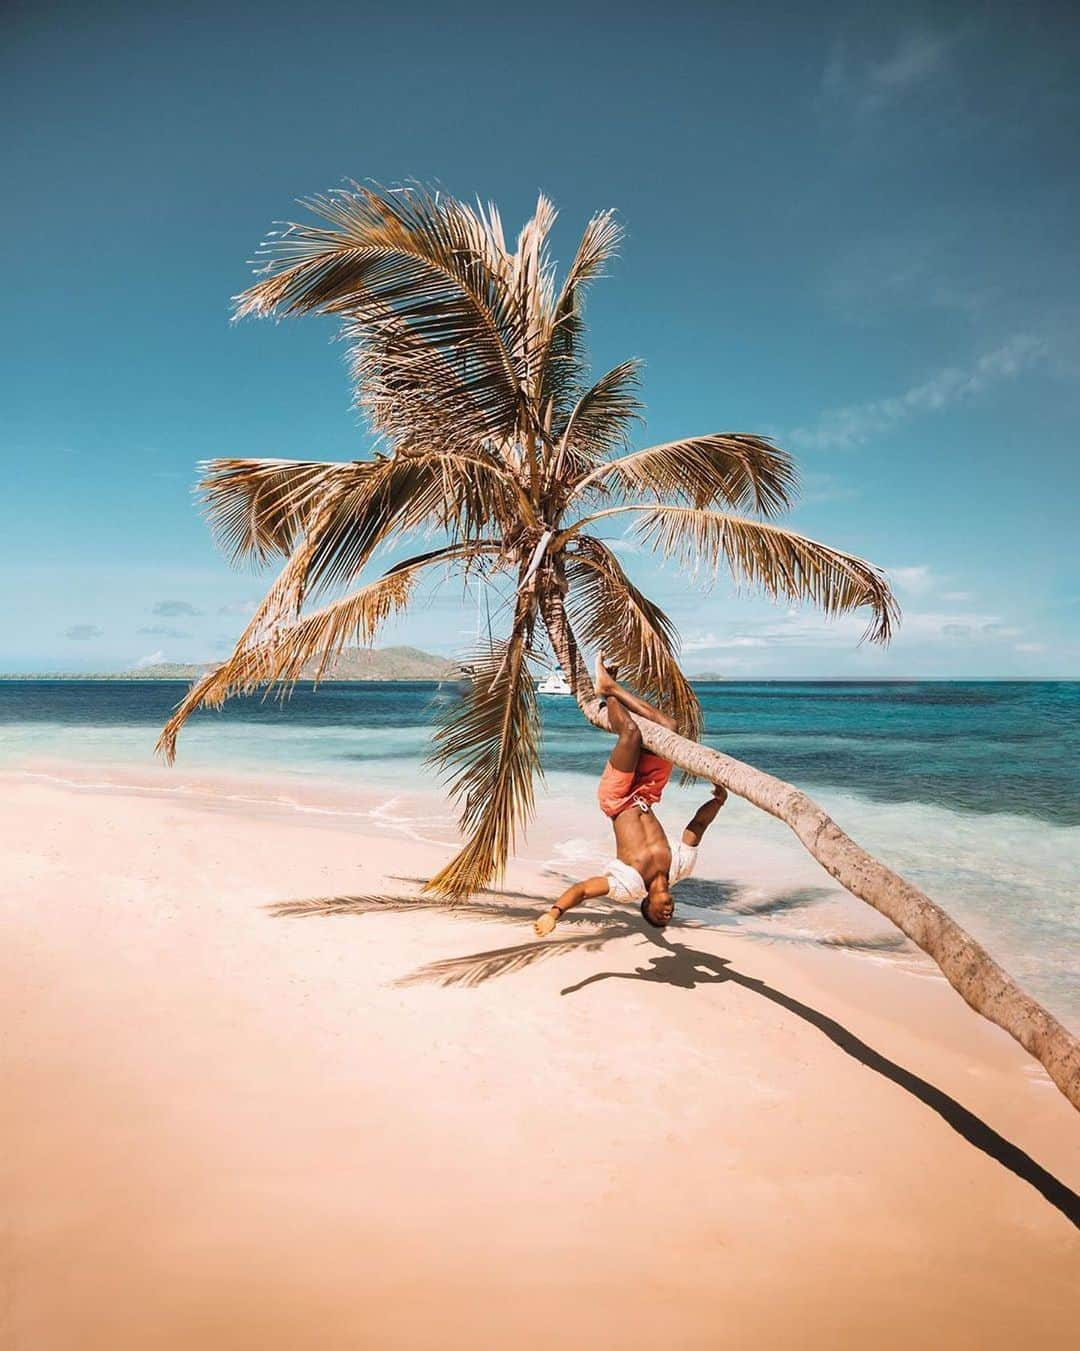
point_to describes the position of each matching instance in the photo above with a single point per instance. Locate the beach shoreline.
(230, 1126)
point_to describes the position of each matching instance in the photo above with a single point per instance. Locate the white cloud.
(808, 629)
(239, 607)
(958, 596)
(865, 85)
(817, 488)
(709, 642)
(854, 424)
(928, 263)
(162, 631)
(82, 632)
(172, 609)
(699, 642)
(1029, 647)
(917, 579)
(953, 626)
(151, 659)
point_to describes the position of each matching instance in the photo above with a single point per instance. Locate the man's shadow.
(686, 968)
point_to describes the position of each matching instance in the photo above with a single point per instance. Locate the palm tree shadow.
(682, 967)
(686, 968)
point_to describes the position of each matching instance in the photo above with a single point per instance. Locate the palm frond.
(533, 281)
(780, 562)
(490, 746)
(369, 500)
(599, 240)
(426, 261)
(610, 614)
(563, 362)
(413, 393)
(600, 421)
(733, 469)
(272, 653)
(258, 508)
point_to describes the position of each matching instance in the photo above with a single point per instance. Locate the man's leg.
(627, 749)
(620, 699)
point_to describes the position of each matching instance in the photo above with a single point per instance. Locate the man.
(647, 866)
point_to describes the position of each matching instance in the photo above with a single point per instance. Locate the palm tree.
(469, 365)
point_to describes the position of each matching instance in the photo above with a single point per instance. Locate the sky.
(852, 228)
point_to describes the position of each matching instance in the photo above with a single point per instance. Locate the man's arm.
(580, 891)
(703, 818)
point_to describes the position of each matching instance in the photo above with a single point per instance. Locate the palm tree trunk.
(965, 964)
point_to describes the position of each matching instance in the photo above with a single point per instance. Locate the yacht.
(555, 683)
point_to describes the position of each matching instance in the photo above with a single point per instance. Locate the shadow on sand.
(682, 967)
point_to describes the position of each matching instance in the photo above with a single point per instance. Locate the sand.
(228, 1128)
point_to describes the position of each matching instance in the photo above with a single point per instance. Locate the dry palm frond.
(256, 508)
(370, 500)
(429, 260)
(600, 421)
(563, 364)
(732, 469)
(411, 391)
(780, 562)
(278, 654)
(490, 744)
(533, 282)
(609, 612)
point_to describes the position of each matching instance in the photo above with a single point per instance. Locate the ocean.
(970, 789)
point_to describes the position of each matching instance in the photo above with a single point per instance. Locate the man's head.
(658, 906)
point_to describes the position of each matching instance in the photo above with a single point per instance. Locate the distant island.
(362, 663)
(358, 663)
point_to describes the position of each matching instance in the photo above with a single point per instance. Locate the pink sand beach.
(350, 1124)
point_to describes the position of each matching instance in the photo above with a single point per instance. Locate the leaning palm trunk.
(469, 362)
(965, 964)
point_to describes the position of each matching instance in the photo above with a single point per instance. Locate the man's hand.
(546, 923)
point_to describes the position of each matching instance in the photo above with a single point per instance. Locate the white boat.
(555, 683)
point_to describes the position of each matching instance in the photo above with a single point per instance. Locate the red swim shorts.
(640, 787)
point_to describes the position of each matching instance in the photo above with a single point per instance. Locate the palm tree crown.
(469, 364)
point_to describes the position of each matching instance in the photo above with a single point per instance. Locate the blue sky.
(855, 232)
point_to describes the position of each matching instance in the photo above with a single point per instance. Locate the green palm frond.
(732, 469)
(610, 614)
(489, 745)
(279, 654)
(780, 562)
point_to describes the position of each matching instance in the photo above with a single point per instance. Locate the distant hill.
(363, 663)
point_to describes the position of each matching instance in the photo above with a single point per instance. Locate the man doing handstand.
(646, 866)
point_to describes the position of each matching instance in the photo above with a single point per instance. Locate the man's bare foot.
(603, 679)
(545, 924)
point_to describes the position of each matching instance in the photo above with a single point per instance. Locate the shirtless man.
(647, 866)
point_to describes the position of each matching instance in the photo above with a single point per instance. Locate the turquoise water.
(982, 747)
(970, 789)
